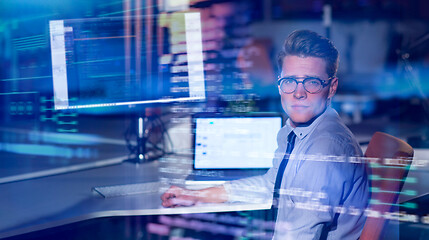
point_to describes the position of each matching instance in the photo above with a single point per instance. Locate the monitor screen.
(121, 61)
(235, 142)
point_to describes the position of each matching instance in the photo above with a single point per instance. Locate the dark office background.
(383, 77)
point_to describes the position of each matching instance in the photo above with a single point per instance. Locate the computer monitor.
(126, 60)
(235, 141)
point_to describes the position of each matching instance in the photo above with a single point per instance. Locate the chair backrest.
(392, 160)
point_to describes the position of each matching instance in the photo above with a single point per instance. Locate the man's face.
(302, 106)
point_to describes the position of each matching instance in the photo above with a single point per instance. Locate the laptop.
(233, 146)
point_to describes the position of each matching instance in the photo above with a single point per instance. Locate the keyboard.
(127, 189)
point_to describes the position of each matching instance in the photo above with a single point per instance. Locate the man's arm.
(177, 196)
(253, 188)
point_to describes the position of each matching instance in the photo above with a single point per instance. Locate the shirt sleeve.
(307, 209)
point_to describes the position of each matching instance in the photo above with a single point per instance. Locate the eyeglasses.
(311, 84)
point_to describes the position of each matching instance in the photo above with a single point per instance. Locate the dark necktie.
(276, 194)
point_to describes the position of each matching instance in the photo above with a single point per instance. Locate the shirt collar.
(302, 132)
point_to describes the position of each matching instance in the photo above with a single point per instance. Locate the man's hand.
(177, 196)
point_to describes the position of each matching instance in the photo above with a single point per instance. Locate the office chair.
(394, 160)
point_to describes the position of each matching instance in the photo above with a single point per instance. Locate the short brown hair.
(305, 43)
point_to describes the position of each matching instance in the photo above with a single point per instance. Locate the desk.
(47, 202)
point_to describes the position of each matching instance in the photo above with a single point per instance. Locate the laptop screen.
(235, 142)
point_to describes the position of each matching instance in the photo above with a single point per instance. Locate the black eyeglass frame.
(324, 83)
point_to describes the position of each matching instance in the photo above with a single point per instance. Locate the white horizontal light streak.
(131, 102)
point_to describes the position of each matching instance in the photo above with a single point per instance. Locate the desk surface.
(41, 203)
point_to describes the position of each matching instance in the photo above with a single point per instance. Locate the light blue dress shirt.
(321, 193)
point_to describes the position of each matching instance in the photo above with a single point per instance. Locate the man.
(310, 178)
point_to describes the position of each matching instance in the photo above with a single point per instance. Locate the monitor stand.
(140, 154)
